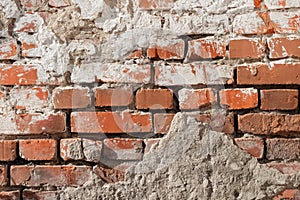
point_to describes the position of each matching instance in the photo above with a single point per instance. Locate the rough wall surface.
(87, 87)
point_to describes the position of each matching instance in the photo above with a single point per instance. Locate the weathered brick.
(31, 4)
(192, 74)
(122, 149)
(3, 175)
(254, 146)
(8, 150)
(109, 175)
(149, 143)
(239, 98)
(249, 23)
(246, 48)
(38, 149)
(59, 3)
(54, 175)
(39, 195)
(282, 47)
(71, 97)
(112, 73)
(17, 74)
(29, 22)
(71, 149)
(261, 74)
(257, 3)
(10, 195)
(172, 51)
(41, 123)
(162, 122)
(92, 150)
(288, 194)
(110, 122)
(107, 97)
(282, 148)
(279, 99)
(206, 48)
(8, 49)
(285, 168)
(269, 123)
(157, 5)
(136, 54)
(196, 98)
(34, 98)
(152, 52)
(277, 4)
(154, 99)
(31, 47)
(219, 122)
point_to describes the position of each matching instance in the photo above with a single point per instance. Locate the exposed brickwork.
(87, 88)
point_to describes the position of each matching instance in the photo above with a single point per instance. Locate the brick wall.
(88, 88)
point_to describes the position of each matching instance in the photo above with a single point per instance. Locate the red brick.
(282, 47)
(269, 123)
(123, 149)
(38, 149)
(31, 49)
(154, 4)
(31, 4)
(71, 97)
(261, 74)
(40, 195)
(154, 99)
(152, 52)
(257, 3)
(41, 123)
(9, 195)
(136, 54)
(59, 3)
(254, 146)
(196, 98)
(71, 149)
(279, 99)
(29, 22)
(239, 98)
(54, 175)
(288, 194)
(149, 143)
(109, 175)
(206, 48)
(173, 51)
(8, 150)
(18, 74)
(285, 168)
(113, 97)
(218, 122)
(162, 122)
(110, 122)
(8, 49)
(3, 175)
(281, 148)
(246, 48)
(30, 98)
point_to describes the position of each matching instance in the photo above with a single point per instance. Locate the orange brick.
(123, 149)
(206, 48)
(8, 49)
(173, 51)
(110, 122)
(246, 48)
(282, 47)
(8, 150)
(240, 98)
(162, 122)
(113, 97)
(254, 146)
(71, 97)
(288, 194)
(154, 99)
(41, 123)
(38, 149)
(53, 175)
(18, 74)
(196, 98)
